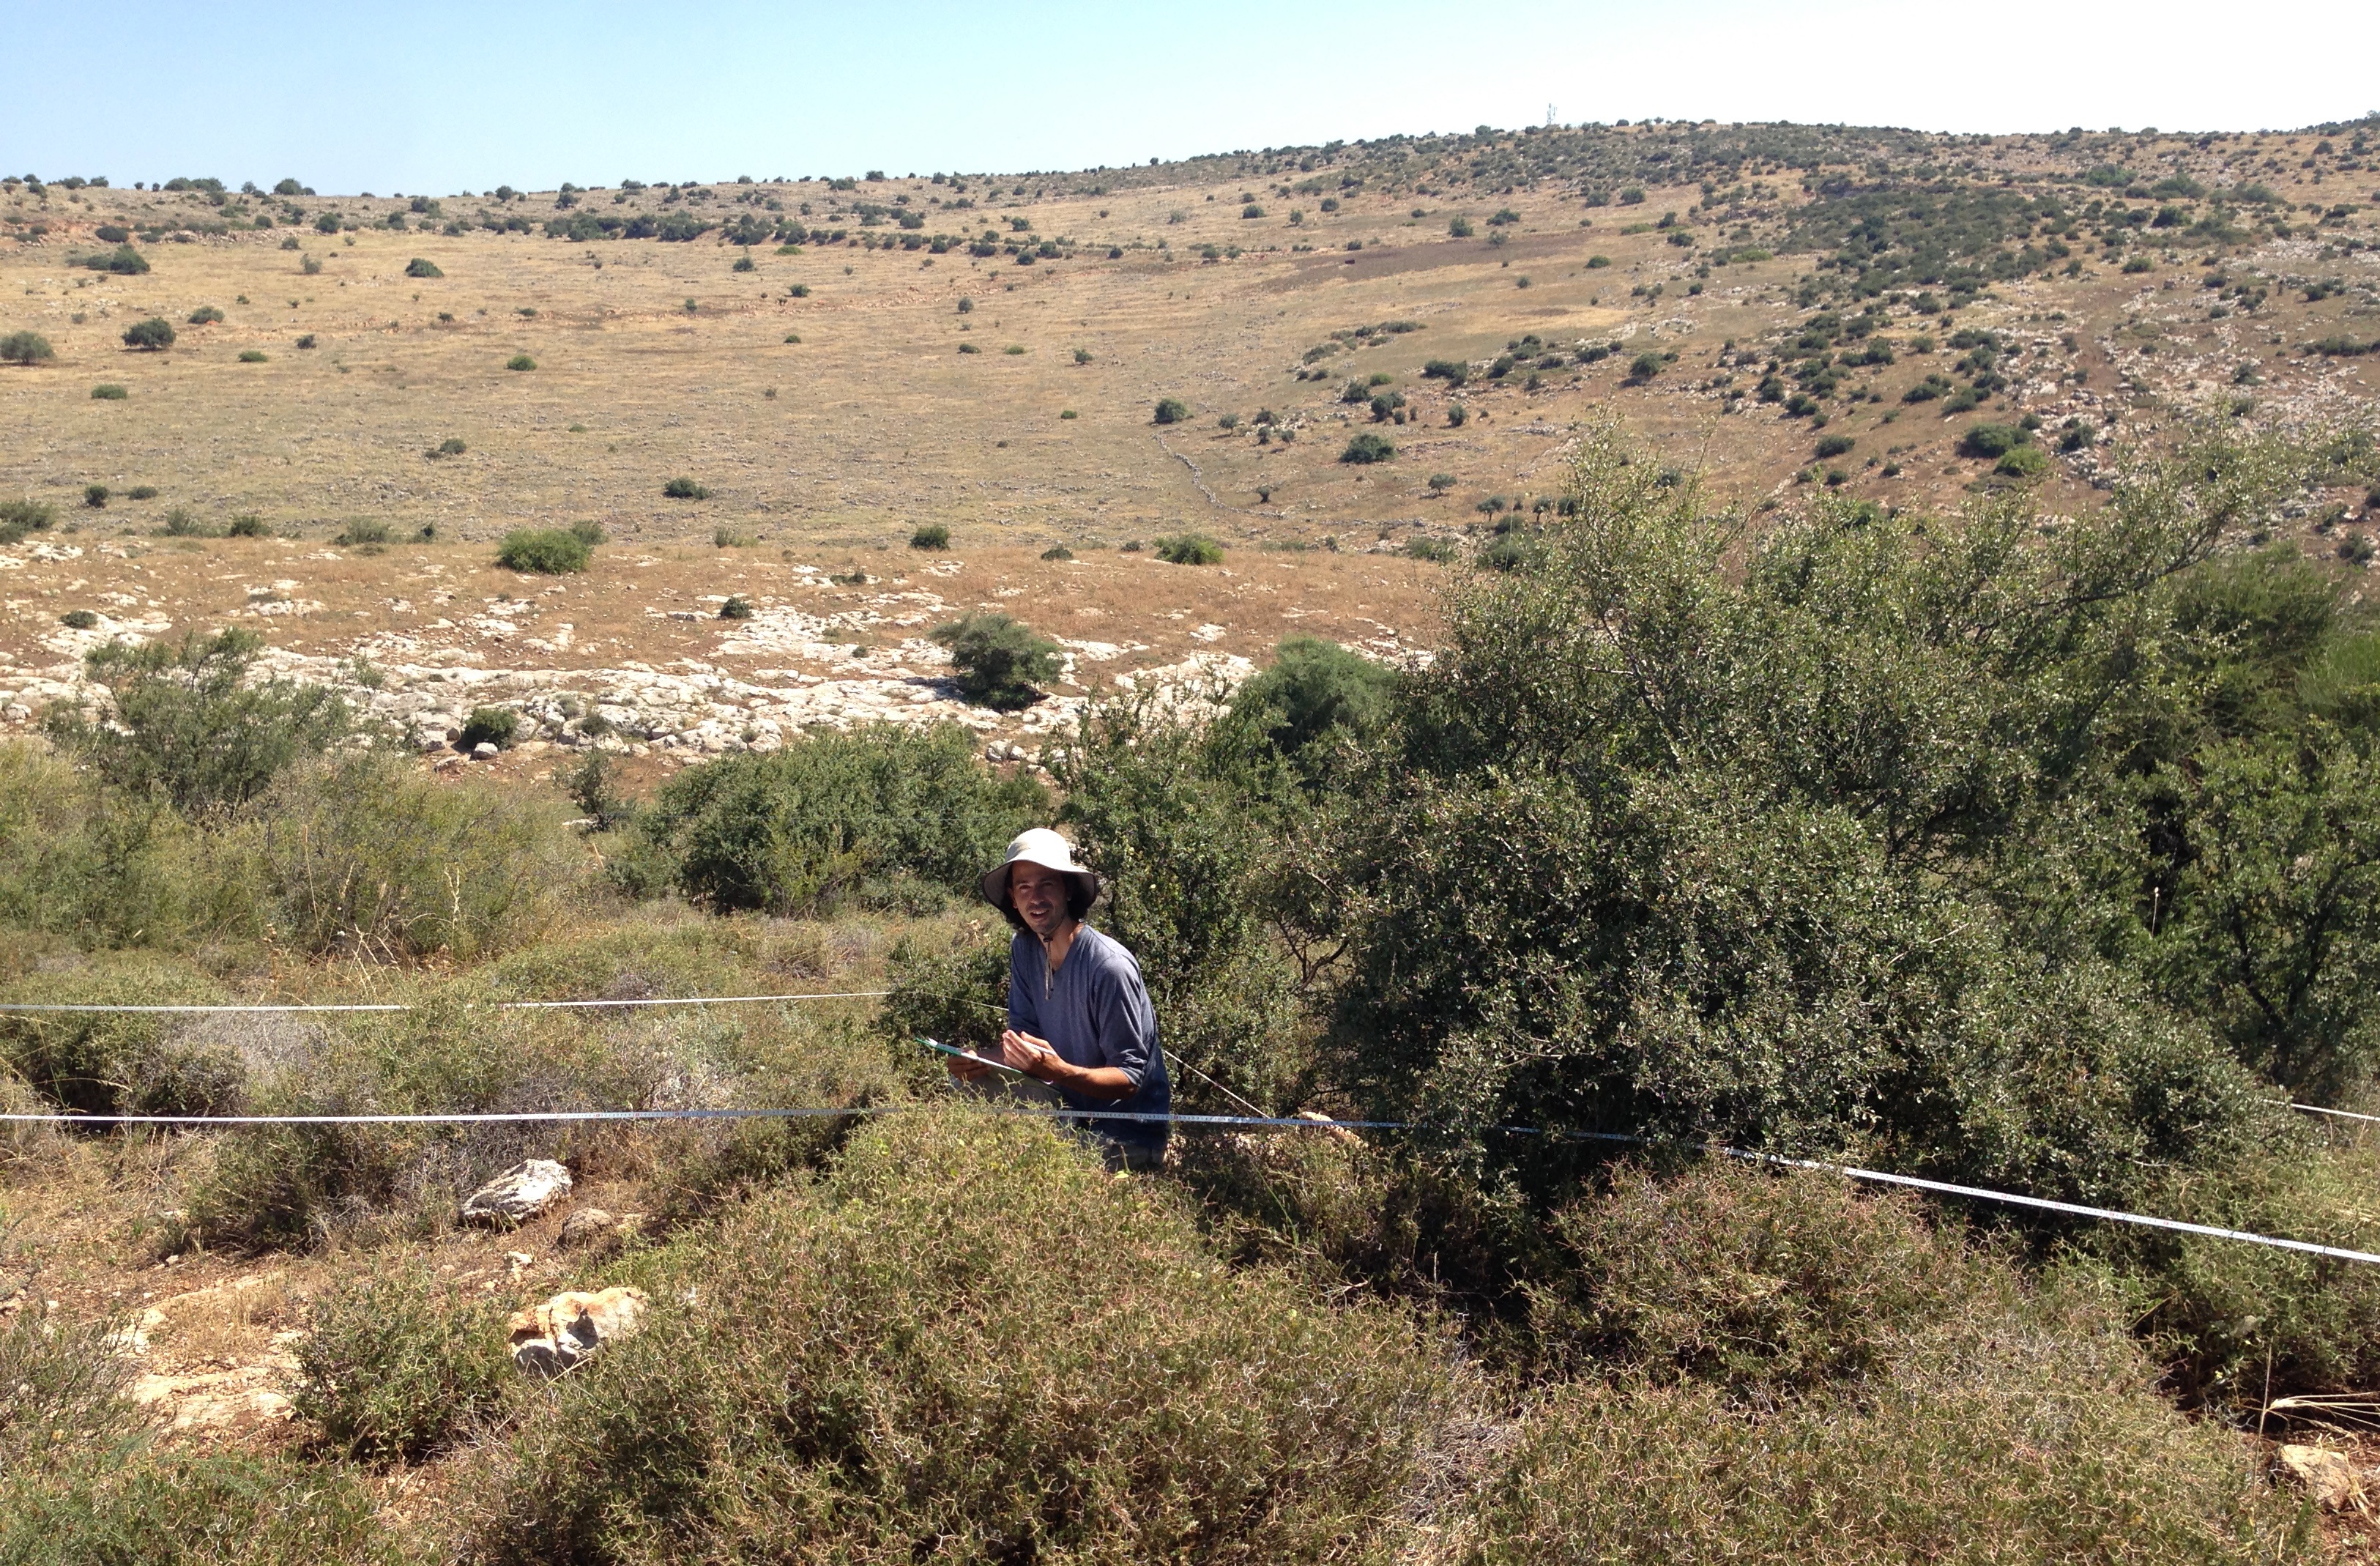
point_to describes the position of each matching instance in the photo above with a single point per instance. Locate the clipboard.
(970, 1055)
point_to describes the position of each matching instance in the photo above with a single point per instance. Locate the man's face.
(1039, 894)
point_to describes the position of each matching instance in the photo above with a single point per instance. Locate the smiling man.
(1079, 1021)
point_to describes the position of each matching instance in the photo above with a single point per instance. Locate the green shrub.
(360, 530)
(872, 819)
(251, 355)
(520, 361)
(1441, 551)
(368, 857)
(1001, 663)
(25, 348)
(1171, 410)
(932, 536)
(685, 488)
(499, 726)
(149, 335)
(728, 537)
(1460, 228)
(1990, 441)
(19, 518)
(189, 724)
(1315, 693)
(1580, 784)
(1644, 367)
(421, 266)
(305, 341)
(1251, 1421)
(451, 446)
(2023, 462)
(79, 620)
(737, 607)
(1441, 482)
(169, 1509)
(142, 491)
(1366, 448)
(1189, 548)
(1057, 552)
(395, 1361)
(123, 1063)
(124, 261)
(1453, 371)
(1748, 1337)
(247, 524)
(206, 315)
(1834, 445)
(95, 496)
(108, 391)
(550, 551)
(61, 1377)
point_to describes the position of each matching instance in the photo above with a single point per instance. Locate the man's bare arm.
(1037, 1060)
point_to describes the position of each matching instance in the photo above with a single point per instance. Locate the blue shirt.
(1094, 1012)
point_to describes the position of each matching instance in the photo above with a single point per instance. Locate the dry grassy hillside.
(837, 363)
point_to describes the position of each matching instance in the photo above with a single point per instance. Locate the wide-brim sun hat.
(1039, 845)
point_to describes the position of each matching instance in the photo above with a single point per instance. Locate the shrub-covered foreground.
(2034, 852)
(966, 1341)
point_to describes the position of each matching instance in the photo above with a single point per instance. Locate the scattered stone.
(485, 751)
(586, 1227)
(2326, 1475)
(517, 1194)
(549, 1338)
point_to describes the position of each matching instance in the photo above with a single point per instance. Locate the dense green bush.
(520, 361)
(421, 266)
(550, 551)
(1001, 662)
(1189, 548)
(930, 536)
(368, 857)
(19, 518)
(25, 348)
(1734, 907)
(876, 819)
(499, 726)
(169, 1508)
(1992, 441)
(1802, 1381)
(1170, 411)
(149, 335)
(187, 722)
(1367, 448)
(206, 315)
(360, 530)
(1316, 694)
(685, 488)
(395, 1360)
(109, 391)
(913, 1297)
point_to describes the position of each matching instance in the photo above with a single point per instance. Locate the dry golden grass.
(827, 451)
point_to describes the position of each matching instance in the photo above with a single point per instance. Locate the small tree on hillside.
(149, 335)
(1001, 662)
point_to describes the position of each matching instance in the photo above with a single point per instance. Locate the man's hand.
(1037, 1060)
(1030, 1055)
(968, 1070)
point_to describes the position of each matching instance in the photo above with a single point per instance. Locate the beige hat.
(1039, 845)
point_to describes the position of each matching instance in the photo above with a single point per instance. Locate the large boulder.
(551, 1338)
(518, 1193)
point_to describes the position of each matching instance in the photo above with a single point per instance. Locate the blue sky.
(434, 96)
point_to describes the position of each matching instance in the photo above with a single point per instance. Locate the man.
(1079, 1021)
